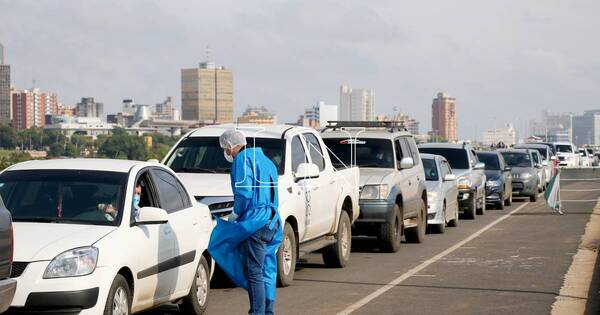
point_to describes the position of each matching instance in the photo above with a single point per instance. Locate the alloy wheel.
(287, 255)
(120, 302)
(201, 285)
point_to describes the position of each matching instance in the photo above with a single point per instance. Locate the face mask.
(228, 157)
(136, 201)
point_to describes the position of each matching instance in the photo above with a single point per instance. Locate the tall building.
(88, 108)
(443, 116)
(553, 127)
(207, 93)
(356, 104)
(50, 103)
(28, 109)
(409, 123)
(318, 115)
(506, 135)
(259, 115)
(166, 110)
(5, 93)
(586, 128)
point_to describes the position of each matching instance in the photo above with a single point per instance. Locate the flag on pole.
(552, 194)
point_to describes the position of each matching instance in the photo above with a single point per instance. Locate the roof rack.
(388, 124)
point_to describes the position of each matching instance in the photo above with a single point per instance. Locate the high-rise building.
(586, 128)
(443, 117)
(5, 93)
(553, 127)
(318, 115)
(506, 135)
(88, 108)
(257, 115)
(28, 109)
(207, 93)
(356, 104)
(50, 103)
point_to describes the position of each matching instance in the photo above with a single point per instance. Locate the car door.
(324, 211)
(450, 189)
(150, 247)
(300, 190)
(506, 175)
(186, 223)
(411, 186)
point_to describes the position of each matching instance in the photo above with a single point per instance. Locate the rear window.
(492, 163)
(377, 153)
(431, 171)
(457, 158)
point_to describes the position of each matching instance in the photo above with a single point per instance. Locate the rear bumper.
(7, 292)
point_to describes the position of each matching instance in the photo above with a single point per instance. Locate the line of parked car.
(115, 237)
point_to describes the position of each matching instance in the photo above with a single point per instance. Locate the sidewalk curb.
(573, 294)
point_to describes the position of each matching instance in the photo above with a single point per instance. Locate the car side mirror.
(507, 168)
(479, 166)
(537, 165)
(151, 215)
(449, 178)
(544, 163)
(407, 162)
(306, 171)
(581, 154)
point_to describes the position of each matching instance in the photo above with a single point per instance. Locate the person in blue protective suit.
(246, 247)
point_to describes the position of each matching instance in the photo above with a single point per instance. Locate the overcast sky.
(504, 61)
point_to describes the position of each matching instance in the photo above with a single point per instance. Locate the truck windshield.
(64, 196)
(564, 148)
(431, 172)
(205, 155)
(491, 161)
(517, 159)
(377, 153)
(457, 158)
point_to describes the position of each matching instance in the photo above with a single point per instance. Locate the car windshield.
(517, 159)
(64, 196)
(543, 151)
(431, 172)
(564, 148)
(369, 152)
(590, 151)
(457, 158)
(491, 161)
(205, 155)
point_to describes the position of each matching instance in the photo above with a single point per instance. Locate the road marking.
(579, 190)
(579, 179)
(362, 302)
(582, 200)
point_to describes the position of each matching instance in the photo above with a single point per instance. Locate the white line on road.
(579, 179)
(362, 302)
(562, 190)
(583, 200)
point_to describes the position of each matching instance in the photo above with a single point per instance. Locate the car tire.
(390, 234)
(533, 198)
(197, 299)
(287, 256)
(481, 211)
(440, 228)
(417, 234)
(471, 211)
(337, 254)
(119, 297)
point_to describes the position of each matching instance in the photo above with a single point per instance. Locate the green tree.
(8, 137)
(56, 150)
(122, 145)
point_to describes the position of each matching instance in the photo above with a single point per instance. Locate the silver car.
(442, 193)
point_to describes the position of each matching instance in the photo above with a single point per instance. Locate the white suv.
(81, 246)
(567, 154)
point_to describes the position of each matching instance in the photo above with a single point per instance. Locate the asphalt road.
(508, 261)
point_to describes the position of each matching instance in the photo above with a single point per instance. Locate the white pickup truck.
(317, 202)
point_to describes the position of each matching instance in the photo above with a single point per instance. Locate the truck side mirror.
(306, 171)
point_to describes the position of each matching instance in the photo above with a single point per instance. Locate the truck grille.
(18, 268)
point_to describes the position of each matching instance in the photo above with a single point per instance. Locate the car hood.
(44, 241)
(202, 185)
(461, 172)
(519, 170)
(493, 175)
(374, 176)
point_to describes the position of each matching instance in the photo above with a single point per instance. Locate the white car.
(317, 202)
(567, 154)
(81, 246)
(585, 159)
(442, 192)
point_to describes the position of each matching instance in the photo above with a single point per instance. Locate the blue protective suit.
(254, 186)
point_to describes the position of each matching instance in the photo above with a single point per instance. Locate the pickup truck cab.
(7, 285)
(393, 198)
(567, 154)
(470, 173)
(317, 202)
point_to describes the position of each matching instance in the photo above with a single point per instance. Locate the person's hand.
(110, 209)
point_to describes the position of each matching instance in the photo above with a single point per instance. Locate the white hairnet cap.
(231, 138)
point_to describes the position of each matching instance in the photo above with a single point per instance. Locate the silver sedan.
(442, 193)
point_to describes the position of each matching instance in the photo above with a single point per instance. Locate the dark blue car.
(498, 187)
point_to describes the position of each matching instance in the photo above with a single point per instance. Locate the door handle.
(409, 182)
(167, 231)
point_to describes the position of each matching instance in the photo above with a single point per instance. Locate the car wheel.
(471, 211)
(197, 299)
(390, 233)
(481, 211)
(286, 257)
(441, 228)
(119, 298)
(417, 234)
(337, 255)
(533, 198)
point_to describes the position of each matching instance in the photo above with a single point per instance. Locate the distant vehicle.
(393, 198)
(585, 160)
(499, 179)
(442, 193)
(567, 154)
(597, 156)
(317, 202)
(540, 168)
(81, 246)
(7, 285)
(593, 157)
(547, 158)
(470, 173)
(525, 181)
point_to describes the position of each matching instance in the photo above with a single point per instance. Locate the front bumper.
(494, 194)
(435, 211)
(525, 187)
(465, 198)
(7, 292)
(72, 295)
(375, 211)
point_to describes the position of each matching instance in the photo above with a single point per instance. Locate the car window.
(398, 149)
(413, 149)
(535, 156)
(298, 154)
(169, 194)
(405, 148)
(491, 161)
(147, 196)
(431, 171)
(316, 154)
(446, 168)
(362, 152)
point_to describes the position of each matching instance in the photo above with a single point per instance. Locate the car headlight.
(464, 183)
(493, 183)
(374, 192)
(525, 175)
(431, 196)
(72, 263)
